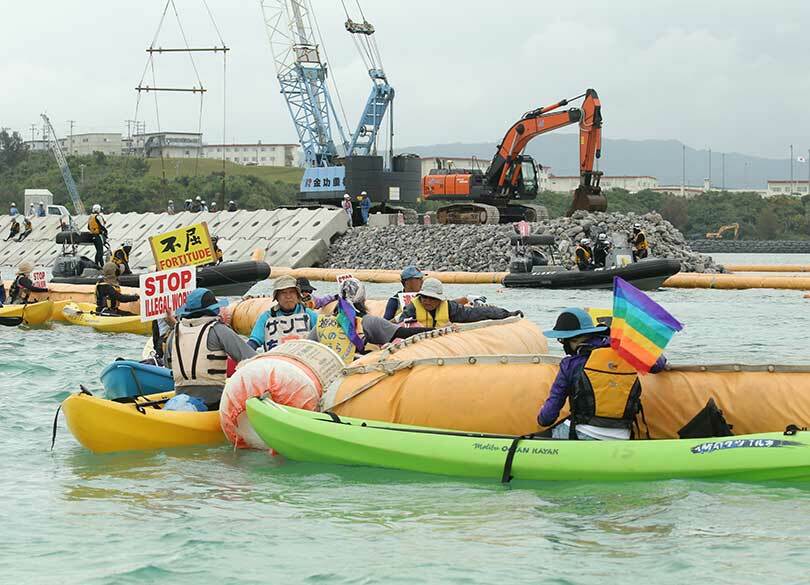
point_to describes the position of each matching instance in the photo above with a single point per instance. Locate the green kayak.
(324, 438)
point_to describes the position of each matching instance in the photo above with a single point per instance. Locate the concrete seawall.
(288, 237)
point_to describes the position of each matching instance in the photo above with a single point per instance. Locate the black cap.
(304, 286)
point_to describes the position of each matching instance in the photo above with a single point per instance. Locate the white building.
(629, 183)
(167, 144)
(259, 154)
(110, 143)
(796, 188)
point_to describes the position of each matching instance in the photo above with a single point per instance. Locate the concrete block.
(239, 250)
(295, 253)
(8, 253)
(44, 228)
(378, 219)
(232, 224)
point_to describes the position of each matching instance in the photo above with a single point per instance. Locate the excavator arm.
(503, 174)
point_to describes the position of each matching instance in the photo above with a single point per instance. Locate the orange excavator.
(512, 175)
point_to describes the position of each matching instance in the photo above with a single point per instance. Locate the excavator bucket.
(588, 198)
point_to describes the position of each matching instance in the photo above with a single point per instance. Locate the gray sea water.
(211, 515)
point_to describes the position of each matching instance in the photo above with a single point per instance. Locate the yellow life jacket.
(607, 392)
(640, 241)
(331, 334)
(28, 225)
(94, 224)
(107, 296)
(586, 253)
(120, 257)
(425, 319)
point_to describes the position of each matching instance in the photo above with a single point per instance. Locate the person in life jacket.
(601, 249)
(14, 229)
(411, 278)
(95, 225)
(432, 309)
(121, 257)
(108, 293)
(197, 350)
(584, 255)
(27, 228)
(287, 320)
(602, 389)
(22, 286)
(639, 241)
(349, 329)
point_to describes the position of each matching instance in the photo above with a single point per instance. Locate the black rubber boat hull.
(226, 279)
(645, 275)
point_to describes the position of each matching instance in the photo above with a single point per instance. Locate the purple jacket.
(570, 367)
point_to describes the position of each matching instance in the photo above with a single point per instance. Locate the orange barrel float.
(502, 394)
(295, 373)
(242, 316)
(387, 276)
(736, 281)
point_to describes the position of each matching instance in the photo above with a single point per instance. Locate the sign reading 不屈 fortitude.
(186, 246)
(164, 292)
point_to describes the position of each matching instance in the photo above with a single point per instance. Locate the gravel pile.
(485, 248)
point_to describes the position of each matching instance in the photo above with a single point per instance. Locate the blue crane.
(53, 143)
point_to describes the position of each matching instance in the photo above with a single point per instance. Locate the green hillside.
(175, 168)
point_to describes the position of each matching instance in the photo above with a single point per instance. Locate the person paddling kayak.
(22, 286)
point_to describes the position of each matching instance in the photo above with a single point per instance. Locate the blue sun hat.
(201, 302)
(411, 272)
(573, 322)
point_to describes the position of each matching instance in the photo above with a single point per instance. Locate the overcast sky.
(728, 75)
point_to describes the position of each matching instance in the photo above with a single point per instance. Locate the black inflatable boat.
(645, 275)
(228, 279)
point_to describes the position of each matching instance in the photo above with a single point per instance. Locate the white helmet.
(363, 193)
(197, 198)
(96, 208)
(347, 196)
(171, 201)
(585, 241)
(13, 204)
(41, 203)
(637, 226)
(601, 237)
(231, 201)
(126, 243)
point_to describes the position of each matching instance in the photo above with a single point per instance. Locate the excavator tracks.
(468, 213)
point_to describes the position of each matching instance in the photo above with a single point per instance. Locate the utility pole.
(710, 169)
(791, 169)
(683, 170)
(33, 133)
(70, 148)
(723, 171)
(808, 171)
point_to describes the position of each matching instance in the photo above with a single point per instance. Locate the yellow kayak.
(57, 313)
(32, 313)
(74, 314)
(104, 426)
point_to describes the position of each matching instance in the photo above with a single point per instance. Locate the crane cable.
(224, 98)
(332, 76)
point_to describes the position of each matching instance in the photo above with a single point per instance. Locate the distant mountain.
(660, 158)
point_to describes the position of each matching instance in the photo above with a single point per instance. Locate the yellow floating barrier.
(386, 276)
(767, 267)
(736, 281)
(79, 293)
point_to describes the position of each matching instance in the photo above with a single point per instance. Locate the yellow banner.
(186, 246)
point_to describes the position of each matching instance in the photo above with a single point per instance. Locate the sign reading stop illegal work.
(164, 292)
(186, 246)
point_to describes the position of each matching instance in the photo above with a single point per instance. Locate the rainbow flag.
(641, 328)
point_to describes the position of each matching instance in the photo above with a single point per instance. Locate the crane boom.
(53, 143)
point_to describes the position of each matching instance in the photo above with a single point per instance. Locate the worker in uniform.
(231, 205)
(601, 249)
(170, 207)
(365, 206)
(213, 207)
(584, 255)
(197, 351)
(13, 210)
(287, 320)
(95, 225)
(602, 389)
(196, 205)
(108, 293)
(432, 309)
(639, 241)
(347, 207)
(187, 205)
(41, 209)
(22, 286)
(120, 257)
(27, 228)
